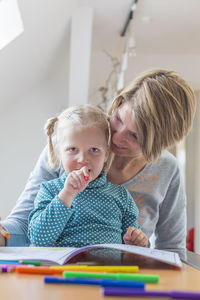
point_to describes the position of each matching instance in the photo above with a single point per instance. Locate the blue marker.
(9, 262)
(101, 282)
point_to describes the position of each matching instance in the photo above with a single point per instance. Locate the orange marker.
(38, 270)
(4, 233)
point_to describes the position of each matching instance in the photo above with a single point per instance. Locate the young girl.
(81, 208)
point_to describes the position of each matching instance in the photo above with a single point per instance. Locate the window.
(11, 25)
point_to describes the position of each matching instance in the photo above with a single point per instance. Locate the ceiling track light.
(129, 17)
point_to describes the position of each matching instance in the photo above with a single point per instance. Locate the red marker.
(87, 177)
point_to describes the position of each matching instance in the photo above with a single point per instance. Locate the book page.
(161, 255)
(62, 255)
(43, 254)
(168, 257)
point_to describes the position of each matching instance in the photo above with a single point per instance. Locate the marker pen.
(87, 177)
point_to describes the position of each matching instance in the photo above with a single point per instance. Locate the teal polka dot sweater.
(99, 214)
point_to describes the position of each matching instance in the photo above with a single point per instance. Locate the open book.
(119, 252)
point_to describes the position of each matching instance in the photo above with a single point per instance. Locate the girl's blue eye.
(72, 149)
(94, 150)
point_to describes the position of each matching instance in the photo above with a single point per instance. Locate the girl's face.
(84, 147)
(124, 132)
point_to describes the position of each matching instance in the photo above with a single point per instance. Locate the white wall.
(187, 66)
(22, 136)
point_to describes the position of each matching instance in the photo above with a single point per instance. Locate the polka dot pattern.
(99, 214)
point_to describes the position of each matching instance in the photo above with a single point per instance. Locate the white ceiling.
(174, 26)
(161, 27)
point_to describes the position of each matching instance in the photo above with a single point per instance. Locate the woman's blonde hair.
(86, 116)
(163, 106)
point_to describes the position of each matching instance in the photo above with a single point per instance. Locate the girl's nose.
(83, 158)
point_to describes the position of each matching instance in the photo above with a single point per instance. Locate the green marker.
(31, 262)
(124, 276)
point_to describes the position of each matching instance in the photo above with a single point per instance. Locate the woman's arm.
(17, 221)
(170, 232)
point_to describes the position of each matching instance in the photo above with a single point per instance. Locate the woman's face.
(124, 132)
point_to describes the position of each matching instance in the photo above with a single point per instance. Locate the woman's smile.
(116, 147)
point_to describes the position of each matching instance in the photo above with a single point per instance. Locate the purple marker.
(7, 269)
(131, 292)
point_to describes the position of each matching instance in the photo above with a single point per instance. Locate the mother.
(150, 115)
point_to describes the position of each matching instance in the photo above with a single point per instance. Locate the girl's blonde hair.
(163, 106)
(86, 116)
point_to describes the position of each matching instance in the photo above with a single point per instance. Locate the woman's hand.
(2, 238)
(75, 183)
(135, 236)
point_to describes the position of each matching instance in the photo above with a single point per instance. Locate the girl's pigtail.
(49, 130)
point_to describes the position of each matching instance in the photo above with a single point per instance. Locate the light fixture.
(129, 47)
(129, 17)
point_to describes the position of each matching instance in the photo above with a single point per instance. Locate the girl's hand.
(75, 183)
(135, 236)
